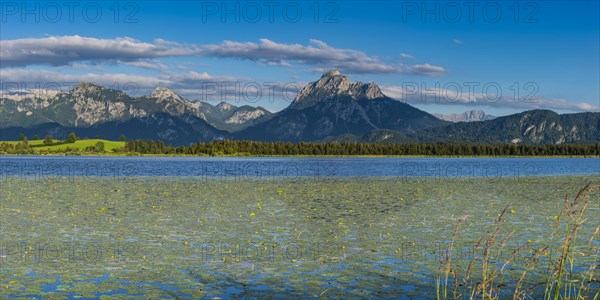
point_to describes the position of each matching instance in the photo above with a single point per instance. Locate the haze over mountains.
(467, 116)
(331, 108)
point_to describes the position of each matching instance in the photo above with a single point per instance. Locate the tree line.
(234, 147)
(252, 148)
(24, 147)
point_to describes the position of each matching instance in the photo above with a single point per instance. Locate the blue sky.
(458, 55)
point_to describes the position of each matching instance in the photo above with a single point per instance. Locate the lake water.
(42, 166)
(189, 228)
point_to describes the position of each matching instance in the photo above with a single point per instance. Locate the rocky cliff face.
(232, 118)
(333, 85)
(242, 116)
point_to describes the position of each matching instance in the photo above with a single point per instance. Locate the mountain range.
(87, 105)
(330, 109)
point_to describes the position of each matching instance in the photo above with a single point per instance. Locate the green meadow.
(280, 238)
(30, 142)
(80, 145)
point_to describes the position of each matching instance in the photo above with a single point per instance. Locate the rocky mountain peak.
(162, 93)
(332, 85)
(332, 73)
(224, 106)
(86, 87)
(43, 94)
(369, 90)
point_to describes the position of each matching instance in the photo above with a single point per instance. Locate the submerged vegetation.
(298, 237)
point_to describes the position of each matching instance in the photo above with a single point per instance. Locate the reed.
(563, 282)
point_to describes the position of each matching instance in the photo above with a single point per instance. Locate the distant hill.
(535, 126)
(530, 127)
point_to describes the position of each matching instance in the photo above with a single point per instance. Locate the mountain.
(535, 126)
(468, 116)
(183, 130)
(529, 127)
(332, 85)
(329, 109)
(88, 104)
(232, 118)
(334, 106)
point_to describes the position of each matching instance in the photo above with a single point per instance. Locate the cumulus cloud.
(406, 55)
(57, 51)
(65, 50)
(426, 70)
(419, 94)
(317, 53)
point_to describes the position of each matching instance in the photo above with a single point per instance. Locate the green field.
(30, 142)
(80, 144)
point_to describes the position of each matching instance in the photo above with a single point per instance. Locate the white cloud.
(415, 94)
(33, 78)
(317, 53)
(149, 64)
(426, 70)
(63, 50)
(66, 50)
(279, 64)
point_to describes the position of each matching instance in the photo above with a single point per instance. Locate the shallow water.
(349, 237)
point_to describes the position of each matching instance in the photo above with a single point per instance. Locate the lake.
(90, 166)
(92, 227)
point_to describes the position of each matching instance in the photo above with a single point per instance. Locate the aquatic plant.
(176, 237)
(564, 282)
